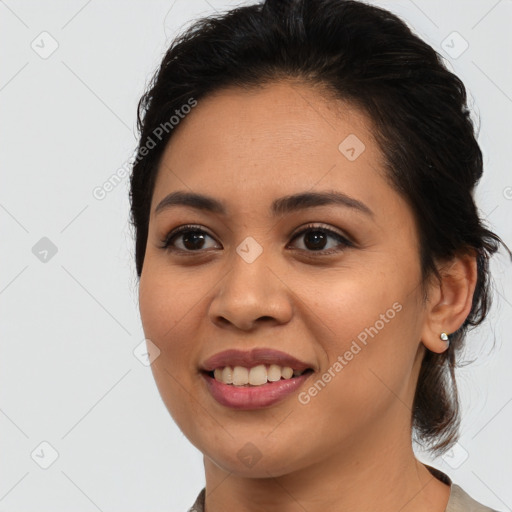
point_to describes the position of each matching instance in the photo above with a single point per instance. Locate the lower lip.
(253, 397)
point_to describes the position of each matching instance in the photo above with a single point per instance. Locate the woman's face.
(344, 297)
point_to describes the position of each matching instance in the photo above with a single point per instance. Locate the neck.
(372, 475)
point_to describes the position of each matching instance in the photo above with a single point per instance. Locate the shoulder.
(461, 501)
(198, 506)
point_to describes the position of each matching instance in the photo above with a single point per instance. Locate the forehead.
(285, 117)
(268, 141)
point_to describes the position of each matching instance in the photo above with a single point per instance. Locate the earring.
(444, 337)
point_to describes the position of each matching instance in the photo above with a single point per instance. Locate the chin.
(256, 459)
(264, 467)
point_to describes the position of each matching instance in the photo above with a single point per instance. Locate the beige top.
(459, 500)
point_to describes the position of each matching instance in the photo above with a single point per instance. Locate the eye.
(316, 237)
(192, 237)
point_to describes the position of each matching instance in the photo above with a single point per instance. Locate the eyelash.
(191, 228)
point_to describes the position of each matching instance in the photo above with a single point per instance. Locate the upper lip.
(251, 358)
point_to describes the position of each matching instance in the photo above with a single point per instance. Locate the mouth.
(254, 379)
(259, 375)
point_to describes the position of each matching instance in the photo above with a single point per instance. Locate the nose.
(251, 294)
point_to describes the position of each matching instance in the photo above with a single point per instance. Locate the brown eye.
(316, 238)
(192, 238)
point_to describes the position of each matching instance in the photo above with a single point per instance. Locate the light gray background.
(70, 323)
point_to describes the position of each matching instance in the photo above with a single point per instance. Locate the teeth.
(287, 372)
(255, 376)
(258, 375)
(274, 373)
(240, 376)
(227, 375)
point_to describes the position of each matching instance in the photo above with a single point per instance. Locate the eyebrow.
(280, 206)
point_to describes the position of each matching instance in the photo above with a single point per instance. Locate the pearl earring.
(444, 337)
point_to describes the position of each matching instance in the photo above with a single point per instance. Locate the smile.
(255, 376)
(254, 397)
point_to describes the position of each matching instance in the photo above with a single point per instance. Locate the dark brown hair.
(366, 56)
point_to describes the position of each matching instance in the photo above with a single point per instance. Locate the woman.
(310, 255)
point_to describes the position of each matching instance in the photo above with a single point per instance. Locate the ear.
(449, 301)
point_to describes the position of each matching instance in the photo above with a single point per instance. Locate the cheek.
(353, 305)
(169, 305)
(367, 325)
(169, 314)
(166, 298)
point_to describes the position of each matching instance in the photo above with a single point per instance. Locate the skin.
(349, 448)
